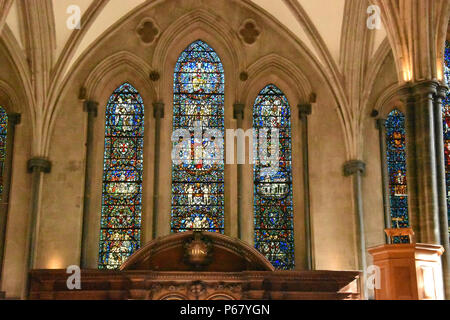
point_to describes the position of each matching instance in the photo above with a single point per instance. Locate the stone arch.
(107, 76)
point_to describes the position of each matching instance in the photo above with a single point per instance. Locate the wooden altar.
(197, 266)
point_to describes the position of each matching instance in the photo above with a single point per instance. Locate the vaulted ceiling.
(325, 17)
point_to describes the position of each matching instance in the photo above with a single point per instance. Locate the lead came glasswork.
(122, 177)
(198, 186)
(3, 135)
(446, 125)
(396, 162)
(273, 211)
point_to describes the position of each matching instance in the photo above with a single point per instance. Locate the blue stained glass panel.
(3, 141)
(122, 177)
(396, 163)
(273, 207)
(446, 125)
(197, 185)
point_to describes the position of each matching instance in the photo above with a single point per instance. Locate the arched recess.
(117, 69)
(173, 41)
(391, 126)
(279, 71)
(11, 106)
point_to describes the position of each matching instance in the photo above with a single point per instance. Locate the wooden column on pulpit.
(408, 271)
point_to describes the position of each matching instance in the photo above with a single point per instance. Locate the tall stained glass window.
(396, 163)
(446, 120)
(3, 134)
(198, 110)
(122, 177)
(273, 211)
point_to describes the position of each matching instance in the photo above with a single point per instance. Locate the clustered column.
(426, 171)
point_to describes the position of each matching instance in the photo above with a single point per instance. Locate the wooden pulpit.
(408, 271)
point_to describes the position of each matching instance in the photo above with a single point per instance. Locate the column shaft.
(158, 113)
(238, 113)
(91, 108)
(304, 111)
(381, 126)
(36, 166)
(426, 163)
(356, 168)
(442, 187)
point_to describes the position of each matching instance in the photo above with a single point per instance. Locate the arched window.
(446, 124)
(274, 230)
(3, 141)
(122, 177)
(198, 120)
(396, 164)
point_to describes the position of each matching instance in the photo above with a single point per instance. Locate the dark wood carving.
(160, 271)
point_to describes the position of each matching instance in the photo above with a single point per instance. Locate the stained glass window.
(3, 133)
(446, 120)
(396, 163)
(273, 211)
(122, 177)
(198, 185)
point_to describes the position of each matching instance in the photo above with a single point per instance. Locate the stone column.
(425, 158)
(442, 187)
(238, 114)
(304, 110)
(91, 108)
(357, 168)
(13, 120)
(158, 114)
(36, 166)
(381, 126)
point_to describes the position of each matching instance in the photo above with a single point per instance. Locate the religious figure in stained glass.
(198, 113)
(3, 134)
(446, 124)
(273, 210)
(122, 177)
(396, 163)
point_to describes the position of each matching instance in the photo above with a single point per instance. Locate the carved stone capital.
(238, 111)
(158, 110)
(42, 164)
(91, 107)
(14, 118)
(304, 110)
(441, 92)
(425, 89)
(353, 166)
